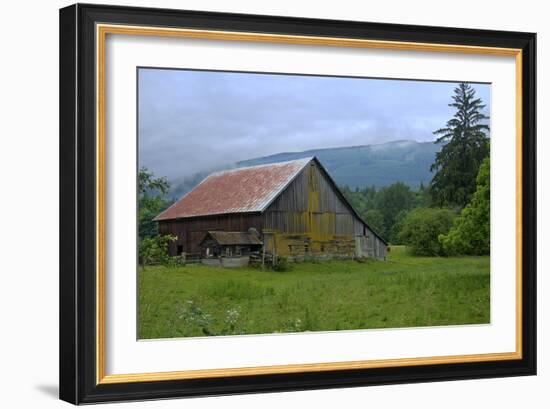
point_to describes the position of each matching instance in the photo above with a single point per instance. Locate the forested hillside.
(353, 166)
(369, 165)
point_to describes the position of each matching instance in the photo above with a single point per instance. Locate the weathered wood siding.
(310, 217)
(310, 204)
(190, 232)
(376, 247)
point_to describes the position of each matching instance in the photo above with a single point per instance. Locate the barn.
(295, 208)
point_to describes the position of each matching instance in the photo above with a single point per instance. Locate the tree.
(423, 196)
(147, 182)
(465, 145)
(375, 220)
(152, 191)
(391, 200)
(362, 200)
(471, 231)
(151, 201)
(422, 227)
(397, 226)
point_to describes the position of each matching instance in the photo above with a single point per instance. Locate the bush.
(422, 228)
(154, 250)
(175, 261)
(282, 264)
(471, 231)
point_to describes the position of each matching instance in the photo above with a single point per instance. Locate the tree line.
(450, 216)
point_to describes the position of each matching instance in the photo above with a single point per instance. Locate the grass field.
(404, 291)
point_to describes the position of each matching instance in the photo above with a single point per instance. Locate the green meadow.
(403, 291)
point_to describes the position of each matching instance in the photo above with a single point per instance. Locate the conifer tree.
(465, 143)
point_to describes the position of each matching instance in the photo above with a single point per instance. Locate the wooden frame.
(82, 37)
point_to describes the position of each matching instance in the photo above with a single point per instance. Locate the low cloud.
(194, 121)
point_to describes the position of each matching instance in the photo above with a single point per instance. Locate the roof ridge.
(276, 193)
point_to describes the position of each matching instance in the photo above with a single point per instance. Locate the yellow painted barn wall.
(307, 244)
(309, 218)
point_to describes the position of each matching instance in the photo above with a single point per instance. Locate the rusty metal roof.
(226, 238)
(242, 190)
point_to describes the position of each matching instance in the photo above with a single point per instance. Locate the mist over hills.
(354, 166)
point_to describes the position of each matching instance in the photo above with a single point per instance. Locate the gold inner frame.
(101, 32)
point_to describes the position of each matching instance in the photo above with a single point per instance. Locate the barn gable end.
(311, 216)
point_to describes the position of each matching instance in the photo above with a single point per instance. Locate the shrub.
(422, 228)
(154, 250)
(471, 231)
(175, 261)
(282, 264)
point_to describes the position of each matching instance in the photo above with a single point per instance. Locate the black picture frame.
(78, 360)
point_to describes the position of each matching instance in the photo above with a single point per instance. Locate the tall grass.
(404, 291)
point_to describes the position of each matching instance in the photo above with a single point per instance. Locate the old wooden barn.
(295, 209)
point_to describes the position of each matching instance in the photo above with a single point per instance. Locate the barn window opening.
(322, 248)
(228, 252)
(179, 250)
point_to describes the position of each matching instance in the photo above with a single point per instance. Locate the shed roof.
(226, 238)
(242, 190)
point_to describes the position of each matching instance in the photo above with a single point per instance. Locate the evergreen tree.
(465, 145)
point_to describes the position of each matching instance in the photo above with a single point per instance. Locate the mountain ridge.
(377, 165)
(357, 166)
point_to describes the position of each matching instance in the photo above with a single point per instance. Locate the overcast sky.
(194, 121)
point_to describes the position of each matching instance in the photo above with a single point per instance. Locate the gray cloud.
(194, 121)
